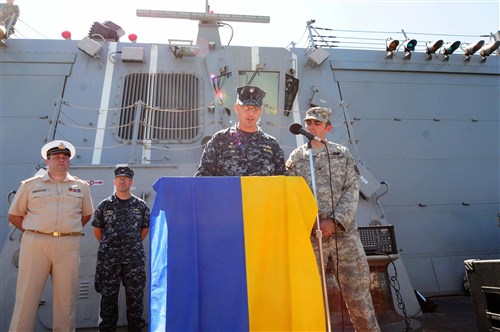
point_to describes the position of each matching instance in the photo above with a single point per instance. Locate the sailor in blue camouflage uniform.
(337, 190)
(121, 222)
(243, 149)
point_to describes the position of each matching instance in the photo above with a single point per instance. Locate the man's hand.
(327, 227)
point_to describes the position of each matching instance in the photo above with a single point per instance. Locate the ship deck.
(452, 314)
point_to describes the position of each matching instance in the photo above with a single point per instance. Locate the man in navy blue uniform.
(243, 149)
(121, 222)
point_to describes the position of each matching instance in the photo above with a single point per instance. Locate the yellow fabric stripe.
(283, 282)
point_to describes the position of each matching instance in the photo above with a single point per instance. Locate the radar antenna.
(208, 31)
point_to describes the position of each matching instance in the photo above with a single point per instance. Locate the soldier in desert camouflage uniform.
(243, 149)
(121, 222)
(337, 224)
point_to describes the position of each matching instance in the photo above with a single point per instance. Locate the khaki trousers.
(39, 256)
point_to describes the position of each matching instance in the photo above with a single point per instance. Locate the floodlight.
(391, 46)
(449, 48)
(486, 50)
(474, 48)
(469, 51)
(409, 46)
(431, 48)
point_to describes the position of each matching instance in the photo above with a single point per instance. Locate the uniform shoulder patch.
(32, 178)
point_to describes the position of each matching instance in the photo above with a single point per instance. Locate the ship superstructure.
(421, 122)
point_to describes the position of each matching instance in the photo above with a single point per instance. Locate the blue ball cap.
(124, 171)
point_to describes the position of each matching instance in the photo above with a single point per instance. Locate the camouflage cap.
(250, 95)
(58, 146)
(322, 114)
(124, 171)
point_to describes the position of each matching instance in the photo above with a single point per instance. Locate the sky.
(47, 19)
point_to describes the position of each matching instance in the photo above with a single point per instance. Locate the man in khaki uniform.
(51, 210)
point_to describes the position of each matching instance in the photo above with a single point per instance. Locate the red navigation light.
(66, 35)
(132, 37)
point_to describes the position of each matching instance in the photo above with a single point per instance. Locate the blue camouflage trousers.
(109, 276)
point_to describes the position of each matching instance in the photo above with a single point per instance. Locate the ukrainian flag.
(233, 254)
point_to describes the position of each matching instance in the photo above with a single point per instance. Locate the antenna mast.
(208, 23)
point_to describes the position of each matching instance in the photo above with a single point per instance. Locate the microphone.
(296, 128)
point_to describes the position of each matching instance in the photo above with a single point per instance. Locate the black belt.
(56, 234)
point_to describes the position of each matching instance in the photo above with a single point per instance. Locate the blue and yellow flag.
(233, 254)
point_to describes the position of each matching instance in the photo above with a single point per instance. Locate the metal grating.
(171, 112)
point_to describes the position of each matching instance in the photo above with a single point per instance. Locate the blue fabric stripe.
(158, 270)
(206, 256)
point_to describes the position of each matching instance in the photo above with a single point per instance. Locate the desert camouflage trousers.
(352, 273)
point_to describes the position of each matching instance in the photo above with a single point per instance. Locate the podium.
(233, 254)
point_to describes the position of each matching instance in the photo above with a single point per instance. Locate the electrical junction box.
(368, 184)
(321, 100)
(89, 46)
(317, 57)
(133, 54)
